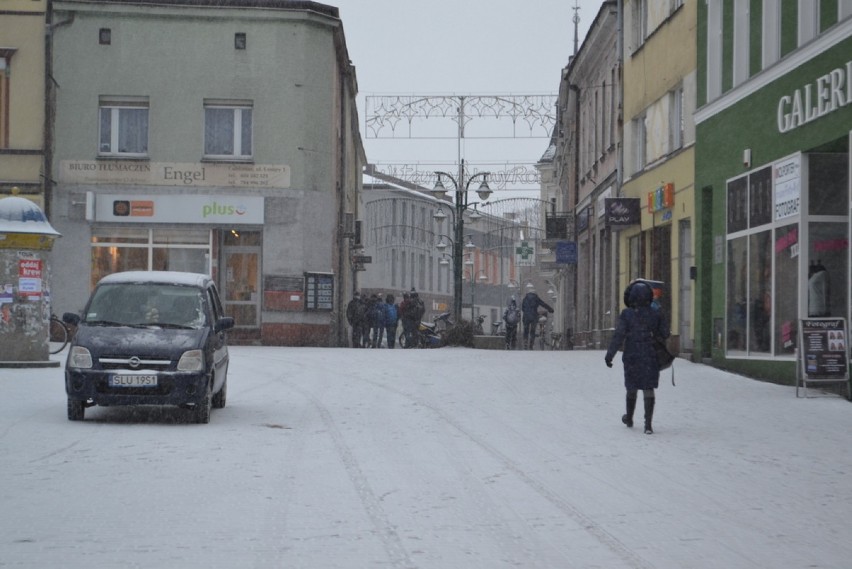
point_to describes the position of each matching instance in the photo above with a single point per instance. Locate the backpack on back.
(512, 316)
(390, 314)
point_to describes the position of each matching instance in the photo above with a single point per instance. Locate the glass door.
(241, 254)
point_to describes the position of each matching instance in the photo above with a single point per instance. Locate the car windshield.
(146, 304)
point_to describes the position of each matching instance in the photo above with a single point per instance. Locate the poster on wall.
(823, 352)
(786, 177)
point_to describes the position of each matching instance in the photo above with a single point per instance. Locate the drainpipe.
(49, 105)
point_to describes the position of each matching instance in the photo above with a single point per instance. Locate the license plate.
(133, 381)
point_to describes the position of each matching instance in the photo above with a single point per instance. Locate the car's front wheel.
(202, 408)
(76, 410)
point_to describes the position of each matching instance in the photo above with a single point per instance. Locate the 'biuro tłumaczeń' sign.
(823, 352)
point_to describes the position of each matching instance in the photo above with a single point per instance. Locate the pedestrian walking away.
(529, 308)
(638, 325)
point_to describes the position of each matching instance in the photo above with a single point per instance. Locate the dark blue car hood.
(142, 342)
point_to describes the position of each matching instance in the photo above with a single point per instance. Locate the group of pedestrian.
(373, 318)
(527, 315)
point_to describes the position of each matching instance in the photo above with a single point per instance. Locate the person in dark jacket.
(407, 323)
(637, 326)
(529, 308)
(377, 320)
(511, 317)
(391, 320)
(355, 312)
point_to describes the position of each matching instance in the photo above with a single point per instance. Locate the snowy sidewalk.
(449, 458)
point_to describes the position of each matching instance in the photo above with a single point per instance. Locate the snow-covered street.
(450, 458)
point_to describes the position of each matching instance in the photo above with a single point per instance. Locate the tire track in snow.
(384, 529)
(613, 544)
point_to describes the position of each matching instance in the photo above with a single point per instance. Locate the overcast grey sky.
(459, 47)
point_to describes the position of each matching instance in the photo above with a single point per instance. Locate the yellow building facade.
(22, 106)
(659, 72)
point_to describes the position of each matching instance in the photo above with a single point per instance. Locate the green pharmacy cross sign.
(525, 254)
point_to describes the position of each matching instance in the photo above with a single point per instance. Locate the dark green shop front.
(773, 209)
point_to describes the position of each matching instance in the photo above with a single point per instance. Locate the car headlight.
(80, 357)
(193, 360)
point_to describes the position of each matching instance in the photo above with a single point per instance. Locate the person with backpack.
(529, 308)
(638, 325)
(511, 317)
(391, 320)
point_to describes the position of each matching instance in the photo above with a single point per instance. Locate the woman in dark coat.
(638, 324)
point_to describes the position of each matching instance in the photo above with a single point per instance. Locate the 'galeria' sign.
(827, 94)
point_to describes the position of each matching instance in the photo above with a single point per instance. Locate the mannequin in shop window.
(818, 290)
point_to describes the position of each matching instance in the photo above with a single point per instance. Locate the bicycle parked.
(58, 334)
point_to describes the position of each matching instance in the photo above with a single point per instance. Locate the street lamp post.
(461, 204)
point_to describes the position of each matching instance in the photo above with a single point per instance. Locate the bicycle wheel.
(58, 335)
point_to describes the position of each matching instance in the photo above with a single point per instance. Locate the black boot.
(627, 418)
(649, 414)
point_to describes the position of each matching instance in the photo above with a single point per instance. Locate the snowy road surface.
(450, 458)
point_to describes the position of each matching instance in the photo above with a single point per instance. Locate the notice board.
(319, 291)
(823, 351)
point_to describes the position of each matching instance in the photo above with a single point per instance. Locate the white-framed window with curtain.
(227, 130)
(123, 127)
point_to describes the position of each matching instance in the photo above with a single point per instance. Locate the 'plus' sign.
(525, 251)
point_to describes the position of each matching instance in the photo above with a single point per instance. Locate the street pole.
(461, 203)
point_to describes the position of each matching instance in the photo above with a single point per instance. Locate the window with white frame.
(227, 130)
(808, 20)
(714, 49)
(676, 123)
(123, 127)
(771, 32)
(639, 143)
(741, 41)
(844, 9)
(640, 22)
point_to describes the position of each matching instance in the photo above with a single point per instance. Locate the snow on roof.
(160, 277)
(20, 215)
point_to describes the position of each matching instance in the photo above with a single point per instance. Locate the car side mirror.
(71, 318)
(224, 323)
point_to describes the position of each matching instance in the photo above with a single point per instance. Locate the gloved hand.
(608, 362)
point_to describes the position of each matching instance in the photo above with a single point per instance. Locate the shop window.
(760, 293)
(135, 249)
(827, 269)
(737, 205)
(227, 131)
(760, 198)
(737, 297)
(123, 127)
(786, 288)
